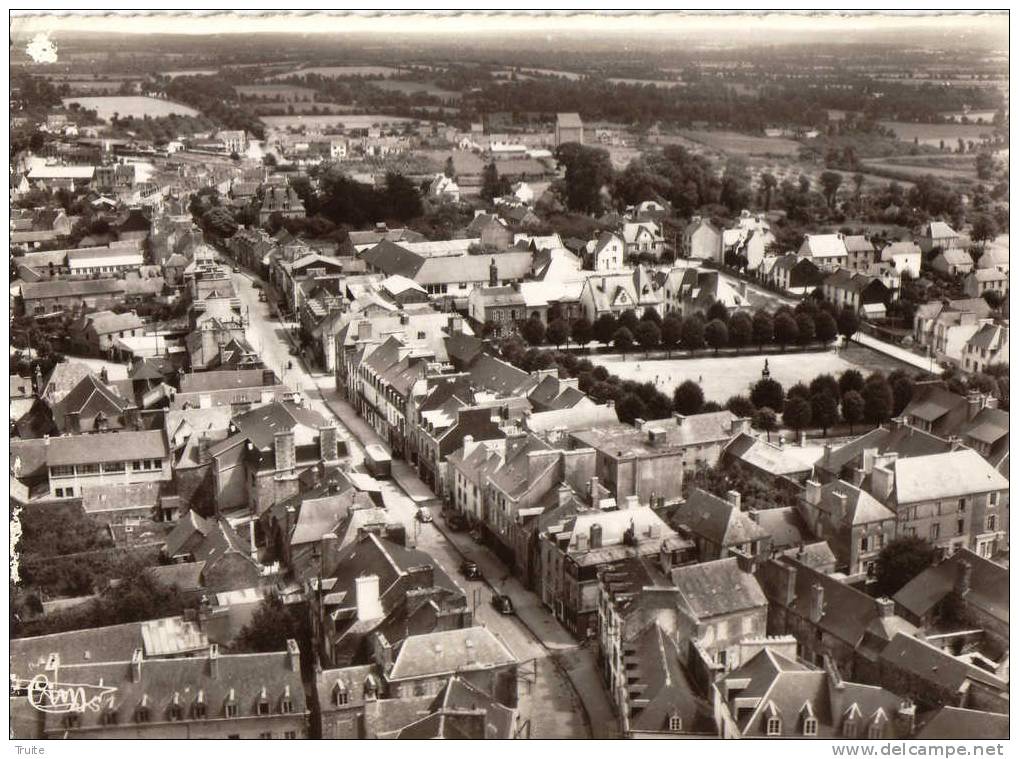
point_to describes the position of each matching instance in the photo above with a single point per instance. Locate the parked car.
(456, 523)
(424, 515)
(503, 604)
(470, 570)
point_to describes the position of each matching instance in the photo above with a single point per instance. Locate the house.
(994, 257)
(607, 253)
(987, 347)
(616, 293)
(903, 258)
(56, 296)
(574, 550)
(773, 695)
(92, 406)
(777, 463)
(944, 327)
(234, 140)
(966, 591)
(701, 239)
(211, 696)
(134, 224)
(128, 457)
(96, 333)
(828, 251)
(980, 281)
(799, 276)
(280, 198)
(862, 253)
(523, 193)
(226, 561)
(954, 500)
(718, 526)
(568, 128)
(643, 237)
(860, 292)
(952, 262)
(937, 234)
(854, 523)
(268, 447)
(444, 190)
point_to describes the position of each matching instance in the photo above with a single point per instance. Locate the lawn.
(342, 71)
(284, 92)
(726, 376)
(347, 120)
(136, 106)
(933, 134)
(744, 144)
(412, 88)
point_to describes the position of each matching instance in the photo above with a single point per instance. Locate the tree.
(849, 322)
(533, 331)
(852, 408)
(693, 334)
(492, 184)
(902, 390)
(768, 392)
(850, 379)
(622, 340)
(830, 183)
(900, 561)
(878, 400)
(269, 628)
(718, 311)
(450, 169)
(587, 171)
(786, 330)
(219, 222)
(824, 411)
(581, 330)
(766, 419)
(717, 334)
(629, 319)
(401, 199)
(648, 334)
(797, 413)
(985, 166)
(984, 229)
(605, 327)
(269, 160)
(825, 328)
(630, 406)
(768, 185)
(825, 383)
(688, 398)
(672, 332)
(764, 328)
(799, 390)
(741, 330)
(805, 327)
(558, 332)
(741, 406)
(651, 314)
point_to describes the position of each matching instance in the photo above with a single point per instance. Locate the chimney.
(327, 550)
(454, 325)
(956, 442)
(214, 661)
(565, 493)
(366, 594)
(881, 483)
(268, 378)
(734, 497)
(905, 719)
(136, 666)
(679, 419)
(364, 329)
(327, 438)
(468, 445)
(963, 578)
(595, 535)
(816, 602)
(293, 656)
(72, 422)
(493, 274)
(813, 492)
(739, 425)
(752, 515)
(631, 502)
(639, 423)
(286, 459)
(656, 437)
(803, 438)
(840, 501)
(592, 490)
(827, 454)
(290, 521)
(885, 607)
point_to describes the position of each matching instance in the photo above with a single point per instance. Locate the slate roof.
(775, 459)
(70, 288)
(205, 382)
(858, 244)
(318, 516)
(906, 441)
(823, 246)
(715, 520)
(784, 526)
(111, 497)
(261, 424)
(953, 722)
(988, 589)
(931, 664)
(107, 447)
(945, 475)
(989, 337)
(860, 506)
(718, 588)
(988, 426)
(448, 652)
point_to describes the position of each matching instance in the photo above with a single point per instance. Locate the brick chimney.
(734, 498)
(327, 439)
(885, 607)
(596, 535)
(882, 482)
(286, 457)
(293, 656)
(812, 495)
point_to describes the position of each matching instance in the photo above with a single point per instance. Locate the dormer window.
(850, 728)
(774, 726)
(176, 712)
(675, 723)
(141, 714)
(71, 721)
(287, 703)
(810, 727)
(340, 695)
(876, 730)
(109, 716)
(263, 703)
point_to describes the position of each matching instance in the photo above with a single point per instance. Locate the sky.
(578, 21)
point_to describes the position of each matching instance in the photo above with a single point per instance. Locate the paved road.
(549, 703)
(923, 363)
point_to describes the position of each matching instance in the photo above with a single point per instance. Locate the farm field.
(412, 88)
(273, 108)
(95, 86)
(933, 134)
(553, 72)
(190, 72)
(743, 144)
(136, 106)
(348, 120)
(903, 166)
(721, 378)
(342, 71)
(664, 83)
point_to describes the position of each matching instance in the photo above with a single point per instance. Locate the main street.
(555, 670)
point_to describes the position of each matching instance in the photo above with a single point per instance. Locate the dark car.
(456, 523)
(503, 604)
(470, 570)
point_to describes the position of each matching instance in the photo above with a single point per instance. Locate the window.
(60, 492)
(231, 710)
(265, 736)
(72, 721)
(935, 531)
(176, 713)
(290, 734)
(199, 710)
(875, 730)
(675, 723)
(342, 698)
(286, 706)
(992, 522)
(849, 728)
(774, 726)
(263, 708)
(88, 469)
(62, 471)
(962, 505)
(147, 464)
(864, 542)
(810, 726)
(136, 466)
(960, 526)
(992, 499)
(114, 466)
(141, 714)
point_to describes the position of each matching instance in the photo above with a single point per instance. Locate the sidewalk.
(901, 354)
(577, 663)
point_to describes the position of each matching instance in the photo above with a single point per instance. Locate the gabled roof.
(718, 588)
(107, 447)
(930, 664)
(956, 723)
(860, 506)
(824, 246)
(989, 426)
(937, 230)
(989, 337)
(715, 520)
(945, 475)
(448, 652)
(988, 586)
(955, 257)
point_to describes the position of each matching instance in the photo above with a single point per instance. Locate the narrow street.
(561, 694)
